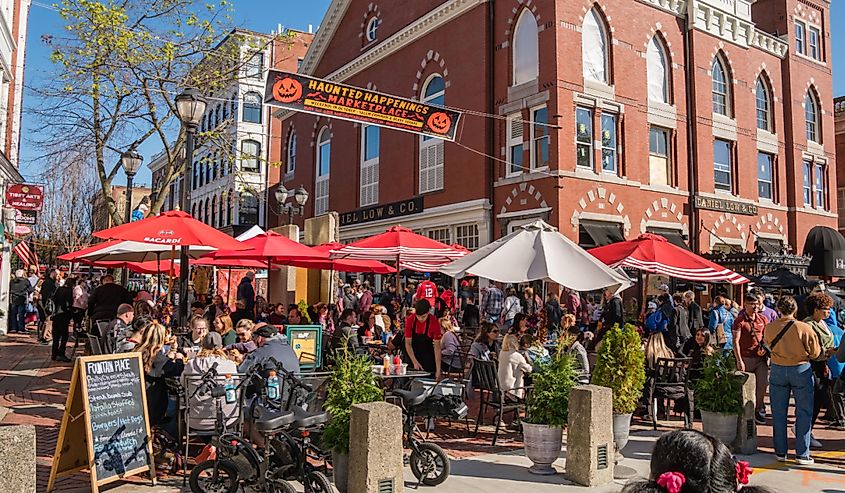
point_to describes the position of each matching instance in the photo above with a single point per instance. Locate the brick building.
(232, 164)
(579, 113)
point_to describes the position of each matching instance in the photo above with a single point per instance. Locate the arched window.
(213, 222)
(217, 116)
(811, 116)
(594, 48)
(721, 88)
(194, 211)
(225, 111)
(372, 29)
(250, 152)
(247, 209)
(207, 167)
(658, 69)
(291, 158)
(526, 50)
(207, 214)
(431, 149)
(764, 104)
(234, 102)
(220, 214)
(370, 152)
(230, 205)
(252, 107)
(215, 166)
(324, 151)
(195, 178)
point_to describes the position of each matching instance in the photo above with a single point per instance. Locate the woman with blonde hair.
(202, 408)
(512, 367)
(161, 361)
(223, 326)
(655, 349)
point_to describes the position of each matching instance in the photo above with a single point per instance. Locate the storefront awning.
(769, 245)
(601, 233)
(675, 236)
(826, 246)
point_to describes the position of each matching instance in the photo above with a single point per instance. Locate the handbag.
(721, 337)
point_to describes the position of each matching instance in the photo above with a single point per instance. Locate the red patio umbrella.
(400, 245)
(172, 228)
(654, 254)
(75, 255)
(342, 265)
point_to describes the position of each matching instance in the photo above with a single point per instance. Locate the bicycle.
(429, 463)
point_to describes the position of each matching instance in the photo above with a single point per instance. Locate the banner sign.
(321, 97)
(24, 197)
(386, 211)
(26, 217)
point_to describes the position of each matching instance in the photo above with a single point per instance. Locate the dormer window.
(371, 33)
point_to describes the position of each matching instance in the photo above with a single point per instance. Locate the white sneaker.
(781, 458)
(804, 461)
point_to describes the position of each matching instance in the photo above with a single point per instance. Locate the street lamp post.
(131, 162)
(190, 107)
(300, 196)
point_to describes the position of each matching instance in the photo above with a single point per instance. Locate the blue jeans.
(17, 317)
(799, 381)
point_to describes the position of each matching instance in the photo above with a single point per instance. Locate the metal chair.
(486, 380)
(670, 382)
(94, 345)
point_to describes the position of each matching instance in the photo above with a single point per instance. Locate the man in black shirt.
(103, 303)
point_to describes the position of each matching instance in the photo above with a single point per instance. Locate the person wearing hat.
(271, 344)
(202, 409)
(118, 326)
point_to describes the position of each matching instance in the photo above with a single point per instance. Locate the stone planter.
(340, 468)
(542, 446)
(719, 425)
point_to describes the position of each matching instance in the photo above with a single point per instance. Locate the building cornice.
(734, 27)
(324, 35)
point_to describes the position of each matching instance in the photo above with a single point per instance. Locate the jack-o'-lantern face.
(439, 122)
(287, 90)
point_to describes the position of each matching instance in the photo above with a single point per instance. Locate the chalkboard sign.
(108, 392)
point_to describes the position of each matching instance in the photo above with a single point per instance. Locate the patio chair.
(486, 379)
(670, 382)
(94, 345)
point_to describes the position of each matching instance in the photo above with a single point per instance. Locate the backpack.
(656, 321)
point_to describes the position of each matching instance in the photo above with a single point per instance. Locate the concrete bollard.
(746, 435)
(589, 438)
(17, 458)
(375, 449)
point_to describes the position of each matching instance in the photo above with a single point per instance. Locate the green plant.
(302, 306)
(719, 389)
(620, 365)
(352, 382)
(549, 401)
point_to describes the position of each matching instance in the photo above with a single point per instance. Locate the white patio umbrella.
(136, 251)
(538, 251)
(251, 233)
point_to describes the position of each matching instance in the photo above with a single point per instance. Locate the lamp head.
(281, 194)
(190, 106)
(301, 196)
(131, 161)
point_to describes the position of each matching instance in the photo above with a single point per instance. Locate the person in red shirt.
(748, 350)
(422, 339)
(426, 290)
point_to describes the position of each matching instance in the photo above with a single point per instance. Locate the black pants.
(61, 324)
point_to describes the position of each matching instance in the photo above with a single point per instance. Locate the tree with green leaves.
(620, 365)
(117, 68)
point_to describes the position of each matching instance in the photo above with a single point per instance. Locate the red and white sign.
(24, 197)
(21, 230)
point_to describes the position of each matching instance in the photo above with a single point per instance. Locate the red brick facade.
(471, 44)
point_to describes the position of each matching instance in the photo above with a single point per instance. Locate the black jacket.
(247, 293)
(553, 313)
(48, 289)
(696, 320)
(63, 300)
(471, 316)
(613, 313)
(103, 303)
(19, 290)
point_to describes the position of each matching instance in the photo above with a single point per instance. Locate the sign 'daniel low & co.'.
(386, 211)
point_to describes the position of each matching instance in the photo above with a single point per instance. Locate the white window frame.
(814, 50)
(431, 148)
(819, 192)
(586, 145)
(516, 143)
(726, 81)
(800, 37)
(526, 49)
(812, 127)
(657, 47)
(253, 70)
(321, 182)
(593, 19)
(760, 179)
(613, 150)
(656, 154)
(467, 235)
(807, 182)
(290, 165)
(246, 157)
(730, 166)
(537, 134)
(368, 194)
(371, 32)
(767, 120)
(251, 106)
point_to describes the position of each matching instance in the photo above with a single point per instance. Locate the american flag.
(26, 254)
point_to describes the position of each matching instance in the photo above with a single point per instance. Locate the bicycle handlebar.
(291, 376)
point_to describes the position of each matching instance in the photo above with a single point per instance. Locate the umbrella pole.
(332, 287)
(399, 280)
(645, 291)
(158, 275)
(268, 280)
(229, 288)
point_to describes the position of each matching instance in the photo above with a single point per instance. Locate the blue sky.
(264, 16)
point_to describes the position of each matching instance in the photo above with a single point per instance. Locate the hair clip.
(671, 481)
(743, 471)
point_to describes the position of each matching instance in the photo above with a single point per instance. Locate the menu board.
(107, 408)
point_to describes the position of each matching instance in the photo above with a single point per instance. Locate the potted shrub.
(718, 395)
(351, 382)
(620, 365)
(548, 412)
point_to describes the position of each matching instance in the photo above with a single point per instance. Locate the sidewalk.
(33, 391)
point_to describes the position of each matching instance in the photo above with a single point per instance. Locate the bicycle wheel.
(282, 486)
(317, 482)
(214, 477)
(430, 464)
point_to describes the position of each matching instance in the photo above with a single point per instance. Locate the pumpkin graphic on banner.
(287, 90)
